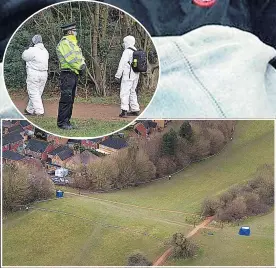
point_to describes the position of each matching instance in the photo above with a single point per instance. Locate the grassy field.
(85, 127)
(256, 250)
(103, 229)
(252, 146)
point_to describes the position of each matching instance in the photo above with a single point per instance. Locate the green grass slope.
(227, 248)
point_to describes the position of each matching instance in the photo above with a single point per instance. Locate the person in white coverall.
(128, 96)
(36, 58)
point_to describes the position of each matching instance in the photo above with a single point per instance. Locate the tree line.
(22, 185)
(241, 201)
(141, 162)
(146, 160)
(101, 30)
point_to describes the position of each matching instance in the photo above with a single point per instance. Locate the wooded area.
(145, 160)
(141, 162)
(101, 30)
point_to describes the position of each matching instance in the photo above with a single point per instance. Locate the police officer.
(72, 65)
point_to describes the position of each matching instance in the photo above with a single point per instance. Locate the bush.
(138, 259)
(15, 188)
(255, 197)
(165, 166)
(254, 205)
(22, 185)
(186, 131)
(182, 247)
(209, 207)
(234, 211)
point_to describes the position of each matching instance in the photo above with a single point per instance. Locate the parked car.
(60, 181)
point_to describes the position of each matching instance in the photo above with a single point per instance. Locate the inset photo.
(158, 193)
(81, 69)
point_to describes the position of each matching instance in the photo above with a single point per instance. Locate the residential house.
(91, 143)
(56, 139)
(145, 127)
(17, 128)
(21, 130)
(83, 159)
(26, 125)
(71, 143)
(9, 157)
(6, 125)
(38, 149)
(112, 145)
(60, 155)
(12, 141)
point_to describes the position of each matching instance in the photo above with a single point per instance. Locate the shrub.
(165, 165)
(209, 207)
(22, 185)
(15, 188)
(138, 259)
(183, 247)
(186, 131)
(255, 197)
(233, 211)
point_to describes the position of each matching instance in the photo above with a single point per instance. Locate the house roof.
(24, 123)
(12, 155)
(65, 154)
(95, 140)
(74, 141)
(17, 128)
(115, 143)
(37, 145)
(147, 123)
(84, 158)
(140, 129)
(6, 123)
(11, 138)
(58, 150)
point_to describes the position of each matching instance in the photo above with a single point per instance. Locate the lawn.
(104, 235)
(252, 146)
(103, 229)
(85, 127)
(256, 250)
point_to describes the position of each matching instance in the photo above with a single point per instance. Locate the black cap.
(70, 26)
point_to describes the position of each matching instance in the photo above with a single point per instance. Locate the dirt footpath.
(162, 259)
(106, 112)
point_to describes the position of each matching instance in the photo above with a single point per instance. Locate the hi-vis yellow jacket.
(69, 54)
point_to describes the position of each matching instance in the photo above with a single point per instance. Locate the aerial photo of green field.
(91, 228)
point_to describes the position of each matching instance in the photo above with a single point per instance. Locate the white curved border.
(70, 1)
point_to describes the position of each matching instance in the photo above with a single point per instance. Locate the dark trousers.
(68, 85)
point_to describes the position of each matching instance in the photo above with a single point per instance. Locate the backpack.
(139, 61)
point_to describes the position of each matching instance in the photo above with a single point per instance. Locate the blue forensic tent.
(244, 230)
(59, 194)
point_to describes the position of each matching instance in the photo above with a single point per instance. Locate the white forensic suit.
(130, 79)
(36, 58)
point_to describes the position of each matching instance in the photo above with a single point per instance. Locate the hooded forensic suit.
(130, 79)
(36, 58)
